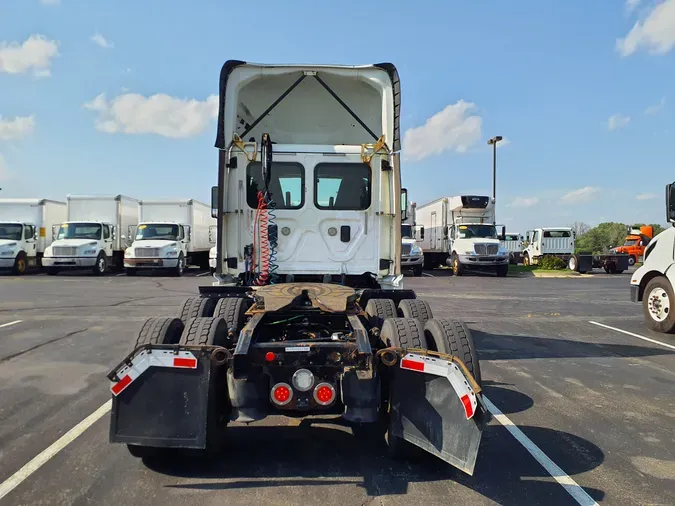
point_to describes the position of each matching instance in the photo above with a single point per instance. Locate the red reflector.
(324, 394)
(121, 384)
(190, 363)
(269, 356)
(468, 408)
(411, 364)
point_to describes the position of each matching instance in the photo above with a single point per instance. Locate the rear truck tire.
(417, 271)
(52, 271)
(657, 302)
(20, 264)
(380, 309)
(454, 338)
(101, 264)
(162, 330)
(130, 271)
(631, 260)
(205, 331)
(417, 309)
(402, 333)
(502, 270)
(196, 307)
(573, 263)
(233, 311)
(457, 267)
(180, 267)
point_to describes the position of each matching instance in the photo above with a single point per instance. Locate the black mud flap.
(427, 411)
(163, 406)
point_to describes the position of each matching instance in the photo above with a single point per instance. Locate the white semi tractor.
(307, 314)
(171, 235)
(652, 283)
(94, 234)
(460, 231)
(26, 230)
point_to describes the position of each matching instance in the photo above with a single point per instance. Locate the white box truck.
(26, 230)
(513, 243)
(412, 255)
(94, 235)
(460, 232)
(172, 234)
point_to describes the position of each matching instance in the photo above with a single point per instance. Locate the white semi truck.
(307, 314)
(93, 235)
(26, 230)
(460, 231)
(412, 255)
(652, 283)
(171, 235)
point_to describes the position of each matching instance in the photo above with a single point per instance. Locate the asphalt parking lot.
(597, 403)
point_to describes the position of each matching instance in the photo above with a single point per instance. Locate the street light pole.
(494, 142)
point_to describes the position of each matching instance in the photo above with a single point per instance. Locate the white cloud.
(42, 73)
(35, 53)
(50, 2)
(524, 202)
(647, 196)
(452, 129)
(101, 41)
(581, 195)
(16, 128)
(160, 114)
(655, 33)
(657, 108)
(631, 5)
(617, 121)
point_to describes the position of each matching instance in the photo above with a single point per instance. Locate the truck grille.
(486, 249)
(405, 249)
(146, 252)
(64, 251)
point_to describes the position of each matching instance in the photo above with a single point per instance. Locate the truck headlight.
(7, 253)
(415, 251)
(172, 253)
(90, 252)
(468, 252)
(503, 252)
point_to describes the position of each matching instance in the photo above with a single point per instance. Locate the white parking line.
(17, 478)
(428, 275)
(203, 274)
(10, 323)
(634, 335)
(571, 486)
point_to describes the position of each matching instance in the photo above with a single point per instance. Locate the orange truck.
(635, 243)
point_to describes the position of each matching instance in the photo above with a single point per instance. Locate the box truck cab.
(26, 230)
(171, 235)
(94, 236)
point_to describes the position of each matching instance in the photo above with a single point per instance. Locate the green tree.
(602, 238)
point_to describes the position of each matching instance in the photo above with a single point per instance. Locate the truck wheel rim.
(21, 265)
(101, 264)
(658, 304)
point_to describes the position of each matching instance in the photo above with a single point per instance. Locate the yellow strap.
(236, 140)
(367, 157)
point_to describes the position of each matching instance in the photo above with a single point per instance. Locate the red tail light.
(281, 394)
(324, 394)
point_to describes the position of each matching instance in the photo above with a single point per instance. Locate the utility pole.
(494, 142)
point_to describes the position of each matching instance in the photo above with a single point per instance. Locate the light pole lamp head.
(495, 139)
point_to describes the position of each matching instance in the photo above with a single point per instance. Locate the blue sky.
(547, 76)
